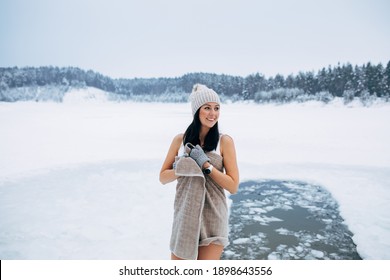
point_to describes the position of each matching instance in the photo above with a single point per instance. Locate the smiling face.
(209, 114)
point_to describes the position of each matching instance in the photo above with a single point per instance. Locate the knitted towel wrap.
(200, 209)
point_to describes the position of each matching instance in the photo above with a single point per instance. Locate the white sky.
(145, 38)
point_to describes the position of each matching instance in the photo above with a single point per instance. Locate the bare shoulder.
(178, 138)
(226, 140)
(227, 143)
(177, 141)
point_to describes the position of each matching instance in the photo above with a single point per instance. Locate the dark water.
(287, 220)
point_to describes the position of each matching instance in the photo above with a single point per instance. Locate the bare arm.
(167, 173)
(230, 179)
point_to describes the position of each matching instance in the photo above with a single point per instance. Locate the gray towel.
(200, 209)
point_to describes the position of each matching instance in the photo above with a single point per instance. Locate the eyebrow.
(207, 104)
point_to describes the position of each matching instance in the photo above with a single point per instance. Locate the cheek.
(203, 114)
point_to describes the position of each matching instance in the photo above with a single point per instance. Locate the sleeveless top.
(217, 150)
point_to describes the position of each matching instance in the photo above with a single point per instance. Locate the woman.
(204, 163)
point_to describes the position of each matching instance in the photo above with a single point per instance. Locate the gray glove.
(199, 155)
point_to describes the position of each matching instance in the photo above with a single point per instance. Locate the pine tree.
(386, 81)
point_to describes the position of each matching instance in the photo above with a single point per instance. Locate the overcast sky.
(145, 38)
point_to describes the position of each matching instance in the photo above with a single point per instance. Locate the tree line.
(366, 81)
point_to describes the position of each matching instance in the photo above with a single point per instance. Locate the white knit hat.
(200, 95)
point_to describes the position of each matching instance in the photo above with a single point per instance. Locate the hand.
(199, 156)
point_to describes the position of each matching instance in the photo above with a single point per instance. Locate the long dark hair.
(192, 135)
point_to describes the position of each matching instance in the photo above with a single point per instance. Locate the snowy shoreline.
(116, 150)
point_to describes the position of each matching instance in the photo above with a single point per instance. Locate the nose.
(212, 113)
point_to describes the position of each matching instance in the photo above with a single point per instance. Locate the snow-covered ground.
(79, 179)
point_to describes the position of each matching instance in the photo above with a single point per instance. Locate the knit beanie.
(200, 95)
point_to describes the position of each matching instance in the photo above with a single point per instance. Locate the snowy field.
(79, 179)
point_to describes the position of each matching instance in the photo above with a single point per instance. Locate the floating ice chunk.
(246, 217)
(282, 231)
(274, 256)
(327, 221)
(249, 204)
(229, 253)
(286, 207)
(256, 239)
(299, 249)
(269, 208)
(317, 254)
(265, 220)
(290, 184)
(241, 241)
(319, 236)
(257, 210)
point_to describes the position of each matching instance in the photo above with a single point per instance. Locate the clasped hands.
(197, 154)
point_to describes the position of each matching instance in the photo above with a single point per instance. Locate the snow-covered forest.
(366, 83)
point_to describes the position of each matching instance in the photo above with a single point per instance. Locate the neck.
(202, 134)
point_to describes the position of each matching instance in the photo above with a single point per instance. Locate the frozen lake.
(79, 180)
